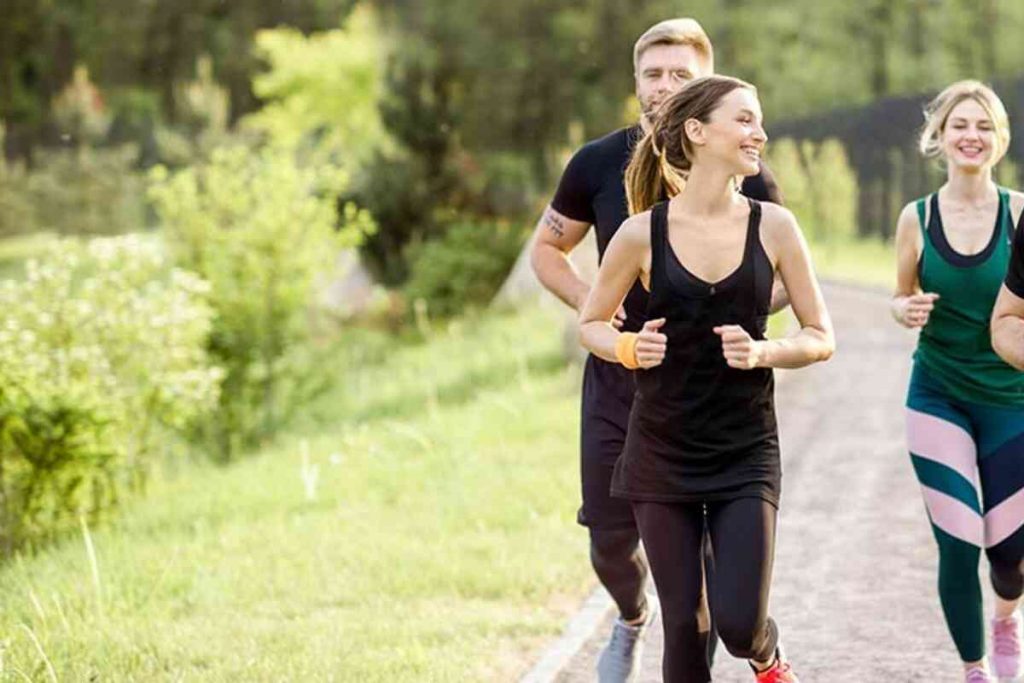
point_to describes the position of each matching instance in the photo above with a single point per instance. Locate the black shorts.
(607, 397)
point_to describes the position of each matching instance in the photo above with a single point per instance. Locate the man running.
(592, 193)
(1008, 315)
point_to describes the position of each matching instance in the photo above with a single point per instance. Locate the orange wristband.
(625, 350)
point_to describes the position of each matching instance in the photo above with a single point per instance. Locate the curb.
(577, 632)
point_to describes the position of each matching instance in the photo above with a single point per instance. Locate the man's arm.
(554, 237)
(1008, 328)
(1008, 314)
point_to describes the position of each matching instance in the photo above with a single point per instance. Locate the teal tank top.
(956, 345)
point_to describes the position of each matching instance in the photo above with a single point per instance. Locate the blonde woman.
(965, 405)
(701, 452)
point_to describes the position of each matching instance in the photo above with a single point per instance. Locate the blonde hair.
(683, 31)
(937, 112)
(663, 158)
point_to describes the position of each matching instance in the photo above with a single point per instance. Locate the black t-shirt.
(592, 190)
(1015, 275)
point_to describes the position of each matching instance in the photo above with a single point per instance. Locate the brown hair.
(661, 160)
(938, 110)
(684, 31)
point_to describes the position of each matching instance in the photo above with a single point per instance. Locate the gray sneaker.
(621, 658)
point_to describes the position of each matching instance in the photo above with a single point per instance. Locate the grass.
(427, 534)
(416, 526)
(869, 263)
(16, 251)
(861, 261)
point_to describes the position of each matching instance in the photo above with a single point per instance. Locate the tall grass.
(436, 541)
(870, 262)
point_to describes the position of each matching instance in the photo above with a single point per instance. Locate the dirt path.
(854, 590)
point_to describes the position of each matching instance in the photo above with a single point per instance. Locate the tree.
(126, 44)
(322, 92)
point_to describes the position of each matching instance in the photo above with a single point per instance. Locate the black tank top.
(698, 429)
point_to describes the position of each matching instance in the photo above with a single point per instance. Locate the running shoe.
(779, 672)
(621, 658)
(1006, 646)
(978, 674)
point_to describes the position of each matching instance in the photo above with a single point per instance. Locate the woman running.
(702, 444)
(965, 406)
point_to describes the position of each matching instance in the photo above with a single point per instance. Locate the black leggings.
(742, 539)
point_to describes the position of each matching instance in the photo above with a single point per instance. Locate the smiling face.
(733, 135)
(968, 139)
(662, 70)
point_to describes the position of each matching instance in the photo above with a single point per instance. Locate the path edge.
(581, 628)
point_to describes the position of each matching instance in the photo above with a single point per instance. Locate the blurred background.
(248, 356)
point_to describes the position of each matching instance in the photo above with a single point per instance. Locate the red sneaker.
(779, 672)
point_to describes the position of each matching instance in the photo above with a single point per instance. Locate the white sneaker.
(622, 657)
(978, 674)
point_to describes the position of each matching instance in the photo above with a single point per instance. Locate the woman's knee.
(1005, 572)
(743, 636)
(685, 629)
(958, 562)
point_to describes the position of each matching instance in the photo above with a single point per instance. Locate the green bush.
(260, 229)
(465, 266)
(835, 193)
(85, 191)
(101, 358)
(321, 91)
(819, 185)
(783, 157)
(1008, 173)
(402, 194)
(509, 184)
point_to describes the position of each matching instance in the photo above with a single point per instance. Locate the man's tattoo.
(554, 224)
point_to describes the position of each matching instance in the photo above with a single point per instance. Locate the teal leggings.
(969, 459)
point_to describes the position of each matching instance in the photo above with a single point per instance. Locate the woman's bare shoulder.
(635, 231)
